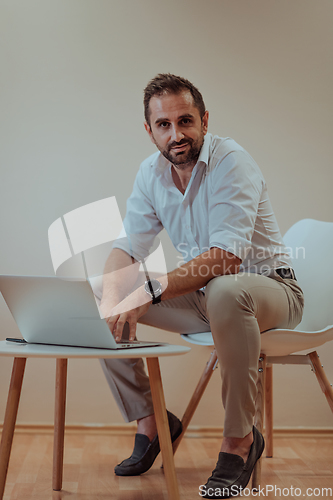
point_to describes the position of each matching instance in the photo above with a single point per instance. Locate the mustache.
(180, 143)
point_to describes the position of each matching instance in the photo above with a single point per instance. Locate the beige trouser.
(236, 309)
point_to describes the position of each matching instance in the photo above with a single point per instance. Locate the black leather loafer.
(232, 474)
(145, 452)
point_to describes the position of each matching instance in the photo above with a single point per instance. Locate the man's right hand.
(120, 274)
(128, 311)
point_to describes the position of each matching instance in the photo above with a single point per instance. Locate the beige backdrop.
(71, 128)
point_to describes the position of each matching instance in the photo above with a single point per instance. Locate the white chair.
(310, 243)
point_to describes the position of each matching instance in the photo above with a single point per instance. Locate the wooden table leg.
(163, 427)
(59, 423)
(10, 419)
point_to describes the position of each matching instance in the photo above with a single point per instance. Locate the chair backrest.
(310, 243)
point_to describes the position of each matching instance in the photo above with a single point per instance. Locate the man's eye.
(186, 121)
(164, 124)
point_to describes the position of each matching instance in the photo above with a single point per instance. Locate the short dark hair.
(166, 83)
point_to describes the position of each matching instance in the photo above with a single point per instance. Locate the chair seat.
(204, 338)
(283, 342)
(275, 342)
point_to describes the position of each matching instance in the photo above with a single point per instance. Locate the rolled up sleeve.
(236, 189)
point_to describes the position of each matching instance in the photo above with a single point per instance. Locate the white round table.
(20, 353)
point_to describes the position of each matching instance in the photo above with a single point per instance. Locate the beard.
(183, 159)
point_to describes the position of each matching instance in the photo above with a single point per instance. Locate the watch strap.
(157, 300)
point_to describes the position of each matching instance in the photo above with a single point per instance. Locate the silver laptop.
(51, 310)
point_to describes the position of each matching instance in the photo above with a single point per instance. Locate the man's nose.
(176, 135)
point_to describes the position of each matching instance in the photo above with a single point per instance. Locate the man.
(237, 281)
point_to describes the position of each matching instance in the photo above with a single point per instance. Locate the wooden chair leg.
(13, 400)
(259, 415)
(269, 410)
(163, 427)
(321, 377)
(197, 395)
(59, 423)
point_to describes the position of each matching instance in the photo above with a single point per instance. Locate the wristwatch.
(154, 288)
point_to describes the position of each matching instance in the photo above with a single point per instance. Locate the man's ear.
(205, 122)
(148, 130)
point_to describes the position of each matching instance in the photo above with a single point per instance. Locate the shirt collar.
(204, 153)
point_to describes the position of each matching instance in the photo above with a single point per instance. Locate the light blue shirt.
(225, 205)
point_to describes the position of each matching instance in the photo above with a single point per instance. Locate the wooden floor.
(299, 462)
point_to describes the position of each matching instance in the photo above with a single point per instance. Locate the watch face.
(156, 286)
